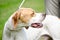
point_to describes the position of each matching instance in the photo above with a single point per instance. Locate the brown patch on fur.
(32, 13)
(15, 18)
(24, 15)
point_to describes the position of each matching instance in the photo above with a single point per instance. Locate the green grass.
(37, 5)
(7, 7)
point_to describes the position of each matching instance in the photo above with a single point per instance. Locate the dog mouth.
(36, 25)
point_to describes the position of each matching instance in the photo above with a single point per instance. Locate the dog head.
(36, 21)
(23, 15)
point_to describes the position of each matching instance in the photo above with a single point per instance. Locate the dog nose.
(44, 14)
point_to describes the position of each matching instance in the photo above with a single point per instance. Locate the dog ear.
(15, 18)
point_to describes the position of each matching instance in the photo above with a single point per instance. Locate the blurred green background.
(7, 7)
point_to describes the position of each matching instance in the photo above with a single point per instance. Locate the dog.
(14, 27)
(50, 23)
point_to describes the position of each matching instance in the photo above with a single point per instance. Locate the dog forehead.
(26, 10)
(37, 16)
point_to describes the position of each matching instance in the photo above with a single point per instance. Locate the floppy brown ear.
(15, 18)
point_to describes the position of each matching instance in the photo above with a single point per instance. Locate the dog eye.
(32, 14)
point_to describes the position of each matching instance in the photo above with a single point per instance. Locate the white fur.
(36, 33)
(9, 33)
(52, 24)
